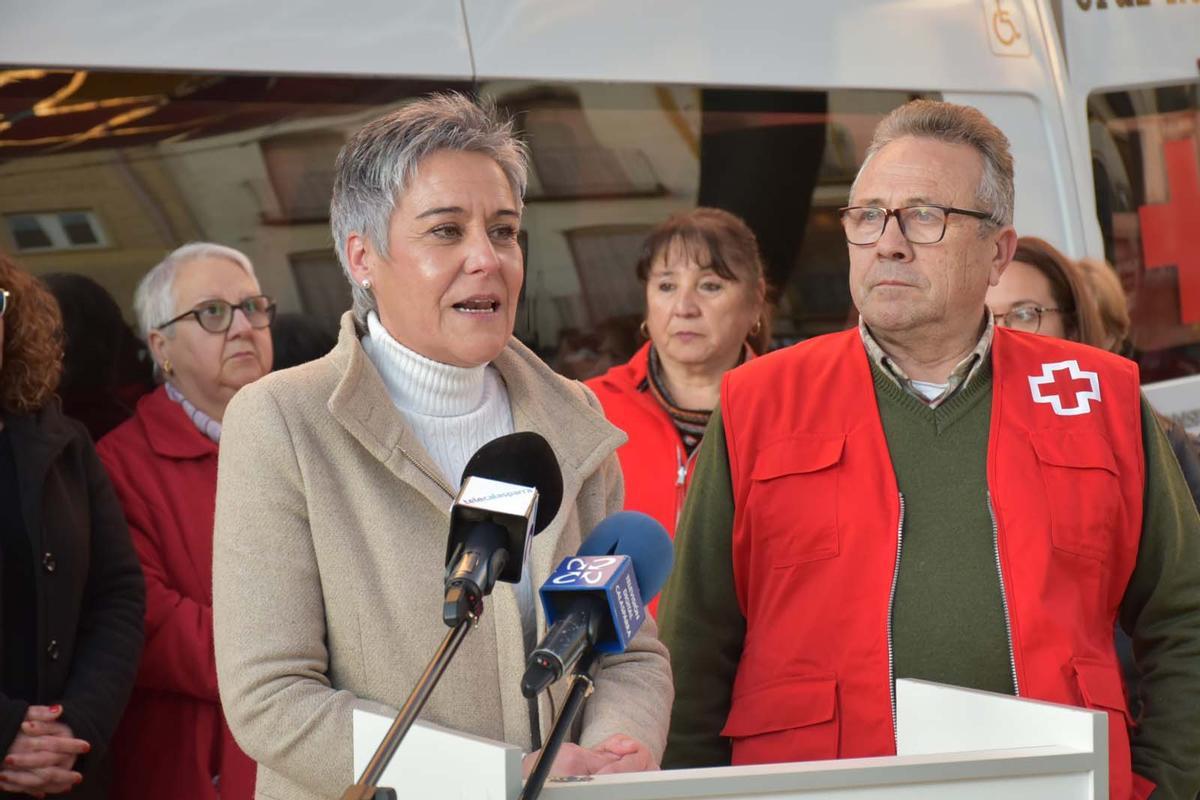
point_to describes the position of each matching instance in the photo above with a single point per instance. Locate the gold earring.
(644, 329)
(757, 327)
(167, 369)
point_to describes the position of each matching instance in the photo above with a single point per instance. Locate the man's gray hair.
(378, 163)
(956, 124)
(154, 298)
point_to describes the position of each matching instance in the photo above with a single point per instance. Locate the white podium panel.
(932, 719)
(952, 743)
(434, 762)
(1030, 774)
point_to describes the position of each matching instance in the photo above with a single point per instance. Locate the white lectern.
(952, 743)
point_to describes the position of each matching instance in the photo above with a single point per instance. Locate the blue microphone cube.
(611, 579)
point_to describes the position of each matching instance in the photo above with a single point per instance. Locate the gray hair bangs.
(377, 164)
(956, 124)
(154, 301)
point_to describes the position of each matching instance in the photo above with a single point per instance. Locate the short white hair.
(375, 166)
(154, 298)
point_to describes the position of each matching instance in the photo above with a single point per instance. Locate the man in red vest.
(931, 496)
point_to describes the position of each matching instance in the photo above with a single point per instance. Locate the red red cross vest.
(816, 535)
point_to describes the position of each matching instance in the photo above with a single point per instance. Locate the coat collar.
(629, 376)
(37, 439)
(170, 433)
(540, 400)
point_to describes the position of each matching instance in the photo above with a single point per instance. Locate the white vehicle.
(129, 128)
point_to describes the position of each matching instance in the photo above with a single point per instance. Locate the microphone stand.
(582, 685)
(365, 789)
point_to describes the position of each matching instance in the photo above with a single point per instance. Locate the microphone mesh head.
(643, 539)
(524, 459)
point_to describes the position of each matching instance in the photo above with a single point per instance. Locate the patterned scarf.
(689, 422)
(203, 422)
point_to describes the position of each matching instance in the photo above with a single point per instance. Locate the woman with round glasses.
(206, 322)
(70, 586)
(1043, 291)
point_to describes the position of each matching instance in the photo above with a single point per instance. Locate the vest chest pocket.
(1082, 489)
(793, 499)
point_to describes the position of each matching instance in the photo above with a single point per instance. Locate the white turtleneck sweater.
(452, 410)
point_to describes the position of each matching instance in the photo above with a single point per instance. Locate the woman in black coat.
(71, 589)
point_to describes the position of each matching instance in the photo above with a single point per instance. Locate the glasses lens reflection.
(1022, 318)
(217, 316)
(918, 224)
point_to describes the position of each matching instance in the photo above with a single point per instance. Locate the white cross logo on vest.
(1062, 386)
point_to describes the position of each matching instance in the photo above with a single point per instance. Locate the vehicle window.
(610, 161)
(102, 173)
(1145, 145)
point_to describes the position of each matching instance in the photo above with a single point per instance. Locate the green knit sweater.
(948, 617)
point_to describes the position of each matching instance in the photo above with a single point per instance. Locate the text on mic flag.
(610, 578)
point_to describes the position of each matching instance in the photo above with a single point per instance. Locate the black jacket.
(90, 596)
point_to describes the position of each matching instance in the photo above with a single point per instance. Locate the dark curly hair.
(33, 342)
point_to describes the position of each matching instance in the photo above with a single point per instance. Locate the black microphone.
(511, 489)
(596, 599)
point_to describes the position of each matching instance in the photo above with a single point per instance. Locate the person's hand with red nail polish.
(41, 759)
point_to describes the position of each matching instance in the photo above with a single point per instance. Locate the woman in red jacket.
(206, 322)
(706, 312)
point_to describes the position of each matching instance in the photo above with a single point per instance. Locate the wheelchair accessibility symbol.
(1006, 23)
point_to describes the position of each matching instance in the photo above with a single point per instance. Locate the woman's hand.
(617, 753)
(41, 759)
(571, 760)
(629, 755)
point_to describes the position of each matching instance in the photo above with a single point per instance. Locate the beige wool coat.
(329, 551)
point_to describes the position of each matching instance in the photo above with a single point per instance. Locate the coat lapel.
(541, 401)
(361, 404)
(36, 440)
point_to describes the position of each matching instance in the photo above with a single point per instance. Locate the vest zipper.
(891, 608)
(1012, 657)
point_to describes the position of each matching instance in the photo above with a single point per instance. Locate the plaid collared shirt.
(963, 372)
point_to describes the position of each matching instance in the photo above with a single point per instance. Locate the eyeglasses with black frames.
(216, 316)
(4, 295)
(1026, 318)
(918, 224)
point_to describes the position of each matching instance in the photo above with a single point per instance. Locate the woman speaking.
(336, 478)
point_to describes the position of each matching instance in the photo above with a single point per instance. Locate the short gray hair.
(377, 164)
(154, 301)
(956, 124)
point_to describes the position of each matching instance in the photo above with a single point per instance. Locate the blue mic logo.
(608, 577)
